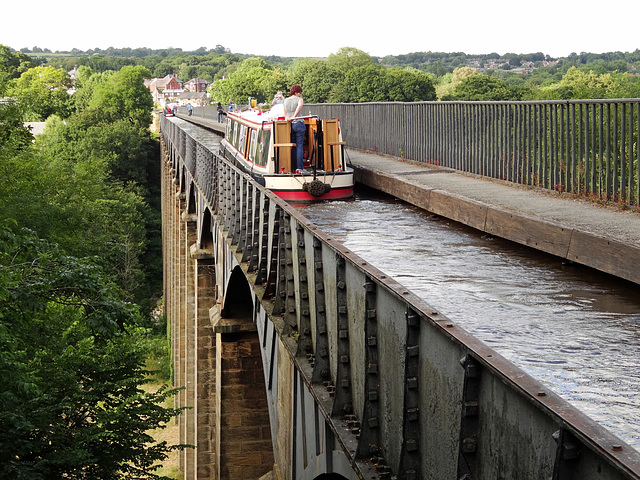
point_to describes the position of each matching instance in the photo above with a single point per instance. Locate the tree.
(12, 65)
(409, 85)
(363, 84)
(587, 85)
(348, 58)
(577, 84)
(254, 78)
(71, 366)
(42, 91)
(317, 81)
(14, 135)
(459, 74)
(123, 96)
(484, 88)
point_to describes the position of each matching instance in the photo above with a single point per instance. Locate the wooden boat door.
(282, 146)
(332, 146)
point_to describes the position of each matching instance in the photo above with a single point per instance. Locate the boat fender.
(316, 188)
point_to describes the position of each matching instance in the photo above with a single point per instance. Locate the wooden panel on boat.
(331, 144)
(282, 146)
(312, 142)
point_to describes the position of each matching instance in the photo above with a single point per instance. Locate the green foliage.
(14, 135)
(13, 64)
(348, 58)
(318, 80)
(41, 92)
(349, 76)
(88, 184)
(123, 95)
(484, 88)
(72, 346)
(410, 85)
(71, 366)
(253, 78)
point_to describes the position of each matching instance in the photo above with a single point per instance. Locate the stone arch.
(191, 199)
(238, 301)
(206, 233)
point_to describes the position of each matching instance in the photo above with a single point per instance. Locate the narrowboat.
(260, 144)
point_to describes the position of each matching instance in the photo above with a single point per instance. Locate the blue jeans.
(297, 132)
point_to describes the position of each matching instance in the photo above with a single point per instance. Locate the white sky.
(317, 29)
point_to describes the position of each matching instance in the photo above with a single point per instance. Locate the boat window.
(242, 138)
(263, 147)
(230, 128)
(252, 147)
(234, 139)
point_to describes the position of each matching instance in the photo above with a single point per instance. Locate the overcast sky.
(317, 29)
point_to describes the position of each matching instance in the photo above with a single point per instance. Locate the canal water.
(572, 328)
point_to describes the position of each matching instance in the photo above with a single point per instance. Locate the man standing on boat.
(292, 107)
(278, 99)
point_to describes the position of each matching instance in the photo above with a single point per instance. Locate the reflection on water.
(570, 327)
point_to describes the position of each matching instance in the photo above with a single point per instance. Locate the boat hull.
(295, 188)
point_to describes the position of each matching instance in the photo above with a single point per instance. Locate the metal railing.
(585, 147)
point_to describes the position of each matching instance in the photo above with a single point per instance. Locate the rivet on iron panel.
(469, 445)
(412, 445)
(470, 409)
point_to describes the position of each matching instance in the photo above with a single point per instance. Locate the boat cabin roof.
(257, 117)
